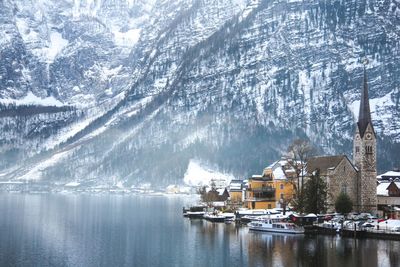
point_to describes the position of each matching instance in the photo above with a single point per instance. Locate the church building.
(357, 178)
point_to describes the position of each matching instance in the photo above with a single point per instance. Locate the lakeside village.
(306, 194)
(300, 193)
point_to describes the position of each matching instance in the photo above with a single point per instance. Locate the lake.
(134, 230)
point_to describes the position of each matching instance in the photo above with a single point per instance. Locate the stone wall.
(342, 178)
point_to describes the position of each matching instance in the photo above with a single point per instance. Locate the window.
(269, 206)
(281, 196)
(357, 149)
(281, 186)
(368, 149)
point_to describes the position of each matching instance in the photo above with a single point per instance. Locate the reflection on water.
(114, 230)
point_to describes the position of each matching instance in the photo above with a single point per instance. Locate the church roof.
(324, 163)
(364, 117)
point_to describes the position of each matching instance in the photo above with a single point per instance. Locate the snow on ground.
(28, 35)
(197, 135)
(31, 99)
(126, 39)
(56, 44)
(198, 174)
(389, 224)
(87, 7)
(36, 172)
(253, 4)
(66, 133)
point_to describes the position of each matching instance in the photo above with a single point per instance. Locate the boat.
(275, 226)
(194, 212)
(245, 215)
(229, 217)
(214, 217)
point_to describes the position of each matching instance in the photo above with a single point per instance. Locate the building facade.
(339, 174)
(388, 198)
(273, 189)
(235, 192)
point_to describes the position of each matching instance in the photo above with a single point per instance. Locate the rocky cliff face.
(229, 83)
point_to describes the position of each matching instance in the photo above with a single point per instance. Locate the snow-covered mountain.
(134, 91)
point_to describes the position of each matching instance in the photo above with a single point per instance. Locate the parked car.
(368, 225)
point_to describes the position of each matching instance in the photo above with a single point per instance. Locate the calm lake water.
(116, 230)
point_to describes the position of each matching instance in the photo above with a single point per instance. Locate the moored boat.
(245, 215)
(195, 212)
(270, 225)
(214, 217)
(229, 217)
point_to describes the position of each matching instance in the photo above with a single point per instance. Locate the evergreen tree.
(343, 203)
(315, 194)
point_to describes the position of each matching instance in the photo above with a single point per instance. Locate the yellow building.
(235, 192)
(273, 189)
(260, 193)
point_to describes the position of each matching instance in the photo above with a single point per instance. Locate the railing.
(265, 189)
(259, 199)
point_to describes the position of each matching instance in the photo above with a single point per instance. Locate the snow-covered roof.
(279, 174)
(283, 162)
(218, 204)
(381, 189)
(391, 174)
(235, 185)
(221, 191)
(271, 165)
(256, 176)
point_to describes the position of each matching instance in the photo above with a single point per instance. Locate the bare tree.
(298, 153)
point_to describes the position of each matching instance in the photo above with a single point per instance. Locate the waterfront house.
(260, 193)
(283, 180)
(388, 196)
(235, 192)
(274, 188)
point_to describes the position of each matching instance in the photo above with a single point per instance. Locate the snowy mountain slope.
(228, 83)
(71, 51)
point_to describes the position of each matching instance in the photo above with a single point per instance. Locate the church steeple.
(364, 116)
(364, 153)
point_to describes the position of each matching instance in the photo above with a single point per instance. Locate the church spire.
(364, 116)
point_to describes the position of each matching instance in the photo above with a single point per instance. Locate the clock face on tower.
(368, 136)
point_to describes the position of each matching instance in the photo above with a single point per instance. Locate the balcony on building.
(266, 193)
